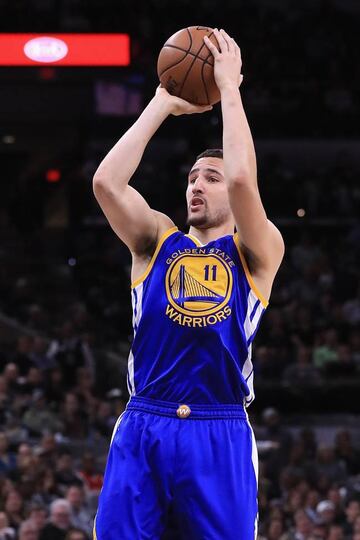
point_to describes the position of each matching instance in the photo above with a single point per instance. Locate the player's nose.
(198, 185)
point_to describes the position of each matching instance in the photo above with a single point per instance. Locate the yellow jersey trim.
(194, 239)
(166, 235)
(249, 278)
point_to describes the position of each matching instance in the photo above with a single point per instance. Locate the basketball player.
(184, 443)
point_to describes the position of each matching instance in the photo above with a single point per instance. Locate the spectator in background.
(65, 475)
(279, 441)
(48, 450)
(59, 521)
(92, 478)
(11, 376)
(351, 309)
(356, 526)
(24, 460)
(38, 418)
(275, 529)
(7, 459)
(329, 467)
(47, 491)
(335, 497)
(352, 512)
(68, 352)
(14, 508)
(326, 512)
(80, 514)
(302, 373)
(55, 387)
(76, 534)
(34, 380)
(326, 351)
(302, 529)
(307, 436)
(4, 392)
(38, 515)
(73, 418)
(22, 355)
(104, 420)
(28, 531)
(305, 253)
(344, 365)
(346, 452)
(39, 356)
(6, 532)
(335, 533)
(311, 503)
(269, 361)
(84, 388)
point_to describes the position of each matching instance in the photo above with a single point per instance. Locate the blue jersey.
(196, 311)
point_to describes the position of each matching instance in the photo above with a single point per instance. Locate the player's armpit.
(129, 215)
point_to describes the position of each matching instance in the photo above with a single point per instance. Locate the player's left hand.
(227, 61)
(178, 106)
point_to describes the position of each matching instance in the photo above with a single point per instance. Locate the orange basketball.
(186, 66)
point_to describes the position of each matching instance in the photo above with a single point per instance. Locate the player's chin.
(196, 220)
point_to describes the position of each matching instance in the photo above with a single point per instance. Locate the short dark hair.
(211, 152)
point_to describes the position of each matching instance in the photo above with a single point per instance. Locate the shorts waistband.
(185, 409)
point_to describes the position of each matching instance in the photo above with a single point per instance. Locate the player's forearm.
(123, 159)
(238, 146)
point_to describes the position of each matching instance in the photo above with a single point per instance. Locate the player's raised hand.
(227, 60)
(178, 106)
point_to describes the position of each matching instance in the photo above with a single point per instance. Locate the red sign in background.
(64, 49)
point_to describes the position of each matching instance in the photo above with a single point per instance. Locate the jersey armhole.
(162, 239)
(249, 278)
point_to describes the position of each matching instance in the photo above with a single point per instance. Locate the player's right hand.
(178, 106)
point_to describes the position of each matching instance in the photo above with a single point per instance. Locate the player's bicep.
(129, 215)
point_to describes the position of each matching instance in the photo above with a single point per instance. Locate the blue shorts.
(198, 466)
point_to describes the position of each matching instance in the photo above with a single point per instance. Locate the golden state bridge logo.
(198, 288)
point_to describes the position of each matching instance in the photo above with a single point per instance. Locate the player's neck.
(207, 235)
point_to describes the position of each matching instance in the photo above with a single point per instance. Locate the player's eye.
(192, 180)
(213, 179)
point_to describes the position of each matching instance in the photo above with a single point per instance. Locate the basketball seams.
(190, 36)
(179, 49)
(176, 63)
(192, 63)
(191, 54)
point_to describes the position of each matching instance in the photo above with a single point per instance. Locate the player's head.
(207, 195)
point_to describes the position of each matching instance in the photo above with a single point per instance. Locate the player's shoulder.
(164, 224)
(148, 245)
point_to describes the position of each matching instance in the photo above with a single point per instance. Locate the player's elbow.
(242, 173)
(101, 183)
(239, 178)
(240, 183)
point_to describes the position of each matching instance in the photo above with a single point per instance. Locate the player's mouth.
(196, 203)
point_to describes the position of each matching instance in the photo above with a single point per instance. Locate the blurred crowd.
(311, 333)
(54, 433)
(307, 489)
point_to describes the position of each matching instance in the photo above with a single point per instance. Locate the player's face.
(207, 195)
